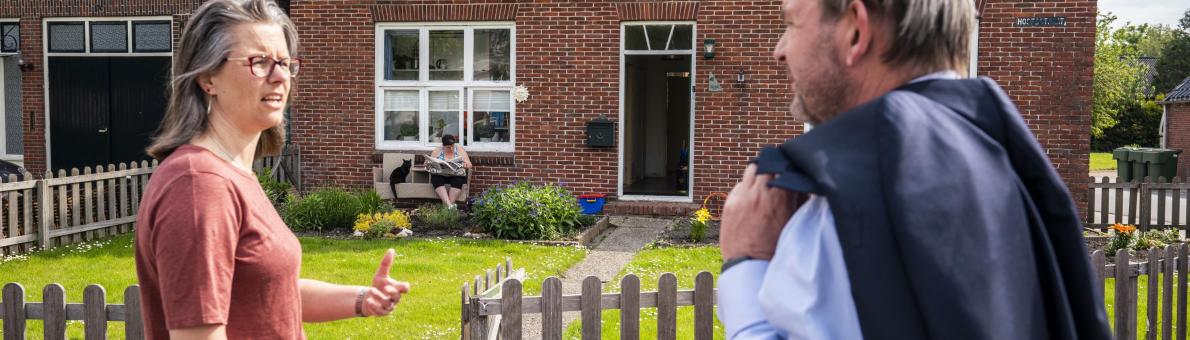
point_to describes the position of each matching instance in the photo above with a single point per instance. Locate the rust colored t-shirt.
(211, 249)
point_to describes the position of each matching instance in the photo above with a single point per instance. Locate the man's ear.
(857, 30)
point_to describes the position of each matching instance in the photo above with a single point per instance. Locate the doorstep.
(667, 209)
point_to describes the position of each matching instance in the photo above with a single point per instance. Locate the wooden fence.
(70, 207)
(1168, 263)
(1148, 204)
(92, 203)
(94, 312)
(496, 309)
(287, 167)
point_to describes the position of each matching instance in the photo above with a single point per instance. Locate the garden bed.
(678, 234)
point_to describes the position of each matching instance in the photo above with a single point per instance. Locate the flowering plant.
(698, 224)
(381, 224)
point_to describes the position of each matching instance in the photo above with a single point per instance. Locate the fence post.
(14, 311)
(95, 312)
(592, 308)
(704, 306)
(134, 323)
(1154, 274)
(630, 307)
(466, 314)
(1145, 202)
(53, 301)
(1181, 277)
(551, 308)
(510, 310)
(667, 306)
(1124, 298)
(45, 212)
(1171, 254)
(479, 324)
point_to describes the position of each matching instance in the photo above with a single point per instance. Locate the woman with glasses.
(213, 257)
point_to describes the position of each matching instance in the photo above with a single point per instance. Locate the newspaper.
(441, 167)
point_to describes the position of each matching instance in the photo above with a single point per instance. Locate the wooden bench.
(417, 184)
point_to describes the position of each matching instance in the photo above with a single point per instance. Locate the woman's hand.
(385, 292)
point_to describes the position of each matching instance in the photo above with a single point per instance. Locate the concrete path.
(619, 244)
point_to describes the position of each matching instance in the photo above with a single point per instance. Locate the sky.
(1145, 11)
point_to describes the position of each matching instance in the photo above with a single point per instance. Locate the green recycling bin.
(1136, 160)
(1160, 163)
(1123, 163)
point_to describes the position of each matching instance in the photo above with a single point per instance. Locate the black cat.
(398, 175)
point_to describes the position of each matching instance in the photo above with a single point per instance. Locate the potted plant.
(408, 132)
(484, 132)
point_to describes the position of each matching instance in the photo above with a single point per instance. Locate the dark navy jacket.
(952, 221)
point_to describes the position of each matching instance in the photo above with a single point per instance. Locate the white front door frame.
(693, 53)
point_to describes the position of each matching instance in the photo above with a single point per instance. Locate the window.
(10, 32)
(659, 37)
(107, 36)
(440, 79)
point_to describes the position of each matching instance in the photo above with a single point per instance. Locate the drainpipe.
(1161, 132)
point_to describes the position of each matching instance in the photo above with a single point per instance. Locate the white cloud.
(1165, 12)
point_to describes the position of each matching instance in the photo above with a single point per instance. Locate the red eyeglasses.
(262, 66)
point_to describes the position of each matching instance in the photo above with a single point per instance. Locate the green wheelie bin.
(1160, 163)
(1123, 157)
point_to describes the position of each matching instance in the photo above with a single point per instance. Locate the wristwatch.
(728, 263)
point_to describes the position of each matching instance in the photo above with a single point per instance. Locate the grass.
(436, 269)
(1102, 161)
(648, 265)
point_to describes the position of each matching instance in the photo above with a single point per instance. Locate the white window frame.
(471, 119)
(423, 84)
(4, 155)
(973, 50)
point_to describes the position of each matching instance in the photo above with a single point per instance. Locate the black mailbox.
(601, 132)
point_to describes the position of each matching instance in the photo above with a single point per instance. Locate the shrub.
(372, 202)
(325, 209)
(437, 216)
(526, 211)
(376, 225)
(277, 191)
(586, 220)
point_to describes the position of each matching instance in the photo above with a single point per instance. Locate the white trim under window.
(406, 72)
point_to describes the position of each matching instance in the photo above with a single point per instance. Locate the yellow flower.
(702, 215)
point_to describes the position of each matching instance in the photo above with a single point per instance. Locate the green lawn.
(648, 265)
(436, 269)
(1142, 308)
(1102, 161)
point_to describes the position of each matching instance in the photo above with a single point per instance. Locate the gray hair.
(206, 43)
(931, 35)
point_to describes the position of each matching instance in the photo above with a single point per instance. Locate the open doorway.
(657, 93)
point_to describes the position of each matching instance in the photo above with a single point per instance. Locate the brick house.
(1176, 119)
(389, 76)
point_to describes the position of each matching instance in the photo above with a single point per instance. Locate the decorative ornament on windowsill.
(520, 93)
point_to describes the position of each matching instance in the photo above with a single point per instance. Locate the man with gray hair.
(919, 207)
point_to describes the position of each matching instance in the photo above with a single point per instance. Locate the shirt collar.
(944, 74)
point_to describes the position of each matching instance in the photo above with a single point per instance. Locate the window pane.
(444, 114)
(492, 57)
(401, 100)
(14, 134)
(67, 37)
(634, 38)
(151, 36)
(401, 53)
(493, 115)
(446, 52)
(11, 33)
(109, 37)
(683, 38)
(401, 115)
(658, 36)
(401, 125)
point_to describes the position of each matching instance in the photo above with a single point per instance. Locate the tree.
(1174, 64)
(1117, 76)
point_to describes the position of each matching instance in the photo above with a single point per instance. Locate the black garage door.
(104, 110)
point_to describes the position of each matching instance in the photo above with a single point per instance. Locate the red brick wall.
(31, 14)
(568, 56)
(1177, 119)
(1047, 71)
